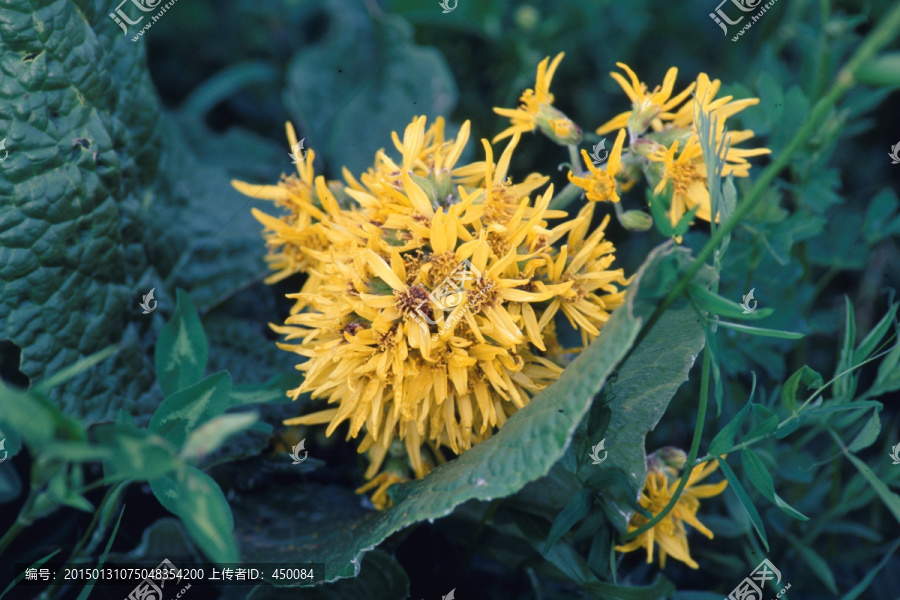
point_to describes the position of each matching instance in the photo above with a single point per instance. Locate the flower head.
(646, 107)
(536, 110)
(430, 322)
(600, 184)
(670, 533)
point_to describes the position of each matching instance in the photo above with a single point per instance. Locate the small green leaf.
(717, 305)
(185, 410)
(47, 384)
(21, 575)
(762, 331)
(200, 504)
(890, 499)
(735, 484)
(613, 483)
(766, 426)
(209, 436)
(182, 350)
(883, 70)
(86, 590)
(804, 375)
(574, 511)
(761, 479)
(867, 346)
(888, 378)
(868, 434)
(136, 454)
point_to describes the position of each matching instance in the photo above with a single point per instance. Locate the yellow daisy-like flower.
(670, 533)
(536, 110)
(432, 312)
(646, 107)
(600, 185)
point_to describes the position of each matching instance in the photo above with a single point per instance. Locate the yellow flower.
(431, 316)
(536, 110)
(646, 108)
(670, 533)
(601, 185)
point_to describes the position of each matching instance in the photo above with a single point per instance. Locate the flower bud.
(557, 126)
(636, 220)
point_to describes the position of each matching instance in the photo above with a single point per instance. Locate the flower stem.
(692, 455)
(565, 197)
(24, 520)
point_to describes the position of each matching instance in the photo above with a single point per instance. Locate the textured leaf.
(339, 104)
(70, 197)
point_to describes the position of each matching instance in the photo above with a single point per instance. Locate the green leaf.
(45, 386)
(717, 305)
(882, 219)
(380, 578)
(765, 427)
(560, 555)
(869, 343)
(888, 378)
(182, 350)
(574, 511)
(883, 70)
(762, 331)
(735, 484)
(210, 435)
(502, 465)
(868, 434)
(614, 484)
(724, 440)
(845, 385)
(198, 501)
(804, 375)
(761, 479)
(136, 454)
(185, 410)
(338, 104)
(890, 499)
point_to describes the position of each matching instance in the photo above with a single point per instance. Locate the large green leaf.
(80, 114)
(504, 463)
(181, 350)
(346, 109)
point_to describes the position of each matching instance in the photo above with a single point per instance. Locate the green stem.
(565, 197)
(883, 34)
(692, 455)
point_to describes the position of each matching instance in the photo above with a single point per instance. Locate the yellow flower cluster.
(428, 314)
